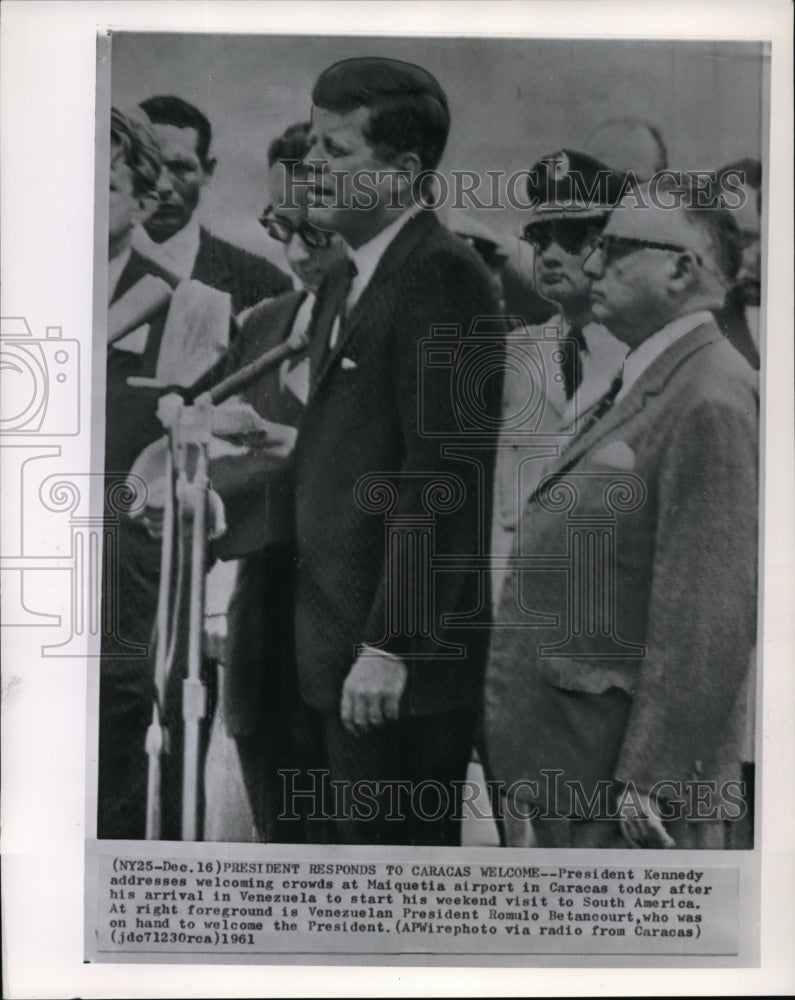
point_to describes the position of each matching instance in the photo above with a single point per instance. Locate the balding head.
(661, 255)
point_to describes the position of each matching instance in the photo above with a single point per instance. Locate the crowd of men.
(454, 534)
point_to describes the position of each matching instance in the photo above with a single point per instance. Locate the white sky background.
(511, 100)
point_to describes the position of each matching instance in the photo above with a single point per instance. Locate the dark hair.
(165, 109)
(140, 150)
(408, 108)
(750, 170)
(291, 146)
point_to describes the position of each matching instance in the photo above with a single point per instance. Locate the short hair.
(140, 150)
(166, 109)
(749, 168)
(713, 219)
(291, 146)
(408, 108)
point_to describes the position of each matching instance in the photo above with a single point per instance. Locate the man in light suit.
(562, 366)
(619, 698)
(385, 698)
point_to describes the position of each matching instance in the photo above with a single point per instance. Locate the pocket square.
(348, 364)
(616, 454)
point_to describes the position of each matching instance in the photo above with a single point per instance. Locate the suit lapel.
(650, 383)
(369, 301)
(211, 266)
(136, 268)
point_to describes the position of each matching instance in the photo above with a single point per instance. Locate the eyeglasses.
(278, 229)
(571, 235)
(612, 247)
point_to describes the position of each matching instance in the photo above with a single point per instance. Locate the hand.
(372, 691)
(646, 830)
(237, 421)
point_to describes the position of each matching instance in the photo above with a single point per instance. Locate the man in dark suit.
(172, 235)
(388, 679)
(256, 488)
(609, 714)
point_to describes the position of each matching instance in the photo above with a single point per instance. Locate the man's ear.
(409, 163)
(208, 166)
(683, 273)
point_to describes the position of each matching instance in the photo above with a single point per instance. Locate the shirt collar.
(177, 254)
(646, 354)
(116, 266)
(368, 256)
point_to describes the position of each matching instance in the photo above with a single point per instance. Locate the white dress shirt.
(366, 259)
(178, 254)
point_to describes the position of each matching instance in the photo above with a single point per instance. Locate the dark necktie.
(330, 305)
(601, 406)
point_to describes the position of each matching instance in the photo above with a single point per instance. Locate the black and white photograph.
(437, 403)
(418, 556)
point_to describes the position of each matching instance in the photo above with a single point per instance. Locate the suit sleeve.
(702, 614)
(451, 290)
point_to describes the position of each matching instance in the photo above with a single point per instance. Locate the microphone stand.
(189, 431)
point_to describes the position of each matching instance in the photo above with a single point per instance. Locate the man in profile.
(388, 685)
(608, 716)
(173, 236)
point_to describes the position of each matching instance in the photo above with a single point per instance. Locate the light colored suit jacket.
(537, 419)
(673, 468)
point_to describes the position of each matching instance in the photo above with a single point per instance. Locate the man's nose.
(593, 264)
(552, 255)
(165, 183)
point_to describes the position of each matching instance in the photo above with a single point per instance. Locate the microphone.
(235, 382)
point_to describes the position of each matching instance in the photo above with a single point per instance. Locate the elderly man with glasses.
(615, 693)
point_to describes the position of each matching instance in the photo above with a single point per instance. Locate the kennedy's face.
(353, 186)
(181, 180)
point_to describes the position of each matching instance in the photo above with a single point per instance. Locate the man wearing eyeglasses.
(570, 195)
(620, 718)
(256, 488)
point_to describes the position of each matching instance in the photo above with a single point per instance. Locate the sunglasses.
(570, 235)
(283, 232)
(615, 247)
